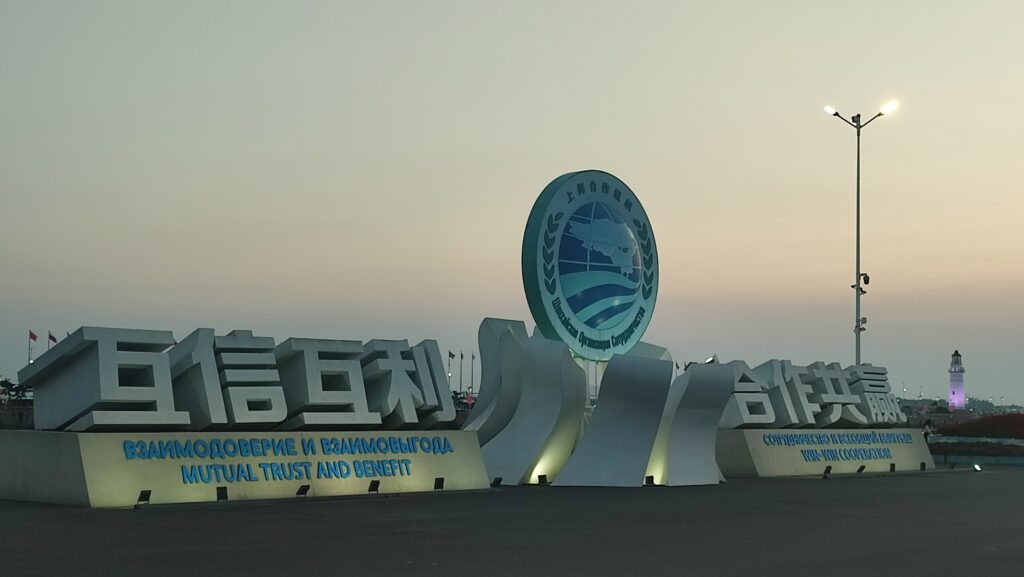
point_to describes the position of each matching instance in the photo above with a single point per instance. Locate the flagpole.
(462, 357)
(472, 362)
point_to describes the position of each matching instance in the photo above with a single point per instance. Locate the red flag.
(52, 338)
(32, 336)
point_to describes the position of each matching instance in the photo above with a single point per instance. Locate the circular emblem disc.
(590, 264)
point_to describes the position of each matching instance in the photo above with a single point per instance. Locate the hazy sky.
(365, 169)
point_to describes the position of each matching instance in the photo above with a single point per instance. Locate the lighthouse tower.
(957, 400)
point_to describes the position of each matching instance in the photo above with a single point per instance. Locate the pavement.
(928, 524)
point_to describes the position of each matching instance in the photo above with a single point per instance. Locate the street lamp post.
(861, 278)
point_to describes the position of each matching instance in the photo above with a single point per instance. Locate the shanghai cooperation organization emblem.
(590, 264)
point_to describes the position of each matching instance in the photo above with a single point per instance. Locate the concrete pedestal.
(792, 452)
(112, 469)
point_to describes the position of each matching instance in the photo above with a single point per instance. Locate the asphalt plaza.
(937, 523)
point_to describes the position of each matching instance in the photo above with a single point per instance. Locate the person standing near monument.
(927, 429)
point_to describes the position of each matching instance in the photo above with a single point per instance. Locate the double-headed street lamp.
(861, 278)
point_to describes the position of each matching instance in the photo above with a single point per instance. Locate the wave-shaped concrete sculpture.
(495, 403)
(616, 448)
(531, 407)
(684, 452)
(547, 393)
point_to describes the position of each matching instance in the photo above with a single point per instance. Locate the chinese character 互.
(323, 383)
(105, 379)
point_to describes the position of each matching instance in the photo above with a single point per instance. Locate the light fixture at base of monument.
(861, 278)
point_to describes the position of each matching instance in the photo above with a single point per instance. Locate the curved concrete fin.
(564, 435)
(657, 466)
(494, 404)
(541, 432)
(616, 447)
(690, 426)
(649, 351)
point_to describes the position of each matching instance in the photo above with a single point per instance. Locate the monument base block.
(793, 452)
(117, 469)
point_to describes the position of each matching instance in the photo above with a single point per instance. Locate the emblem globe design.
(599, 266)
(590, 266)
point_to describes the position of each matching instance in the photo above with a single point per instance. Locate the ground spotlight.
(649, 481)
(977, 467)
(222, 493)
(828, 473)
(542, 479)
(143, 499)
(713, 359)
(303, 490)
(892, 467)
(923, 466)
(860, 469)
(374, 486)
(496, 482)
(439, 483)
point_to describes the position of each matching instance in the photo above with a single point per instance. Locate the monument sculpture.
(590, 273)
(126, 415)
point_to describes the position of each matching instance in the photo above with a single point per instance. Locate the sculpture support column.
(617, 444)
(545, 391)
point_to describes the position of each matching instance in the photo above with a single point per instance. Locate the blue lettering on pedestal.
(228, 449)
(226, 473)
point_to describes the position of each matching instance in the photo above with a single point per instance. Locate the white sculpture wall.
(616, 446)
(531, 410)
(495, 403)
(684, 453)
(543, 391)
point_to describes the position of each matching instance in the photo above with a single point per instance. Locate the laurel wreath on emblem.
(647, 249)
(548, 252)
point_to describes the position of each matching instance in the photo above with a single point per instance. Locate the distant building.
(15, 413)
(957, 399)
